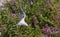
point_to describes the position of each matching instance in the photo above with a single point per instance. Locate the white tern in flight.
(22, 17)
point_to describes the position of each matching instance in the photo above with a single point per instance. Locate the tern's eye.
(23, 15)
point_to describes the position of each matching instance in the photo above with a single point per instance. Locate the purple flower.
(12, 0)
(47, 3)
(58, 17)
(49, 30)
(46, 35)
(13, 14)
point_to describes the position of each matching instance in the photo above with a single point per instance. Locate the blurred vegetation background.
(39, 12)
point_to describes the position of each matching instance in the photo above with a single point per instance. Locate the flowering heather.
(14, 15)
(50, 30)
(58, 17)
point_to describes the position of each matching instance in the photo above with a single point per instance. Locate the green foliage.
(32, 7)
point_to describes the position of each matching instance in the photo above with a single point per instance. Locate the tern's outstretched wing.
(22, 14)
(22, 17)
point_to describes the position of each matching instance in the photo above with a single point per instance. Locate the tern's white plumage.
(22, 23)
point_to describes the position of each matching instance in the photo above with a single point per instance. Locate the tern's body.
(22, 22)
(22, 18)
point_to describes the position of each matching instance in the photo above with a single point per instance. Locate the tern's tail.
(22, 23)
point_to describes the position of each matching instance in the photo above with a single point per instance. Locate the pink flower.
(58, 17)
(13, 14)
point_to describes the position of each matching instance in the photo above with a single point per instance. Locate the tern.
(22, 18)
